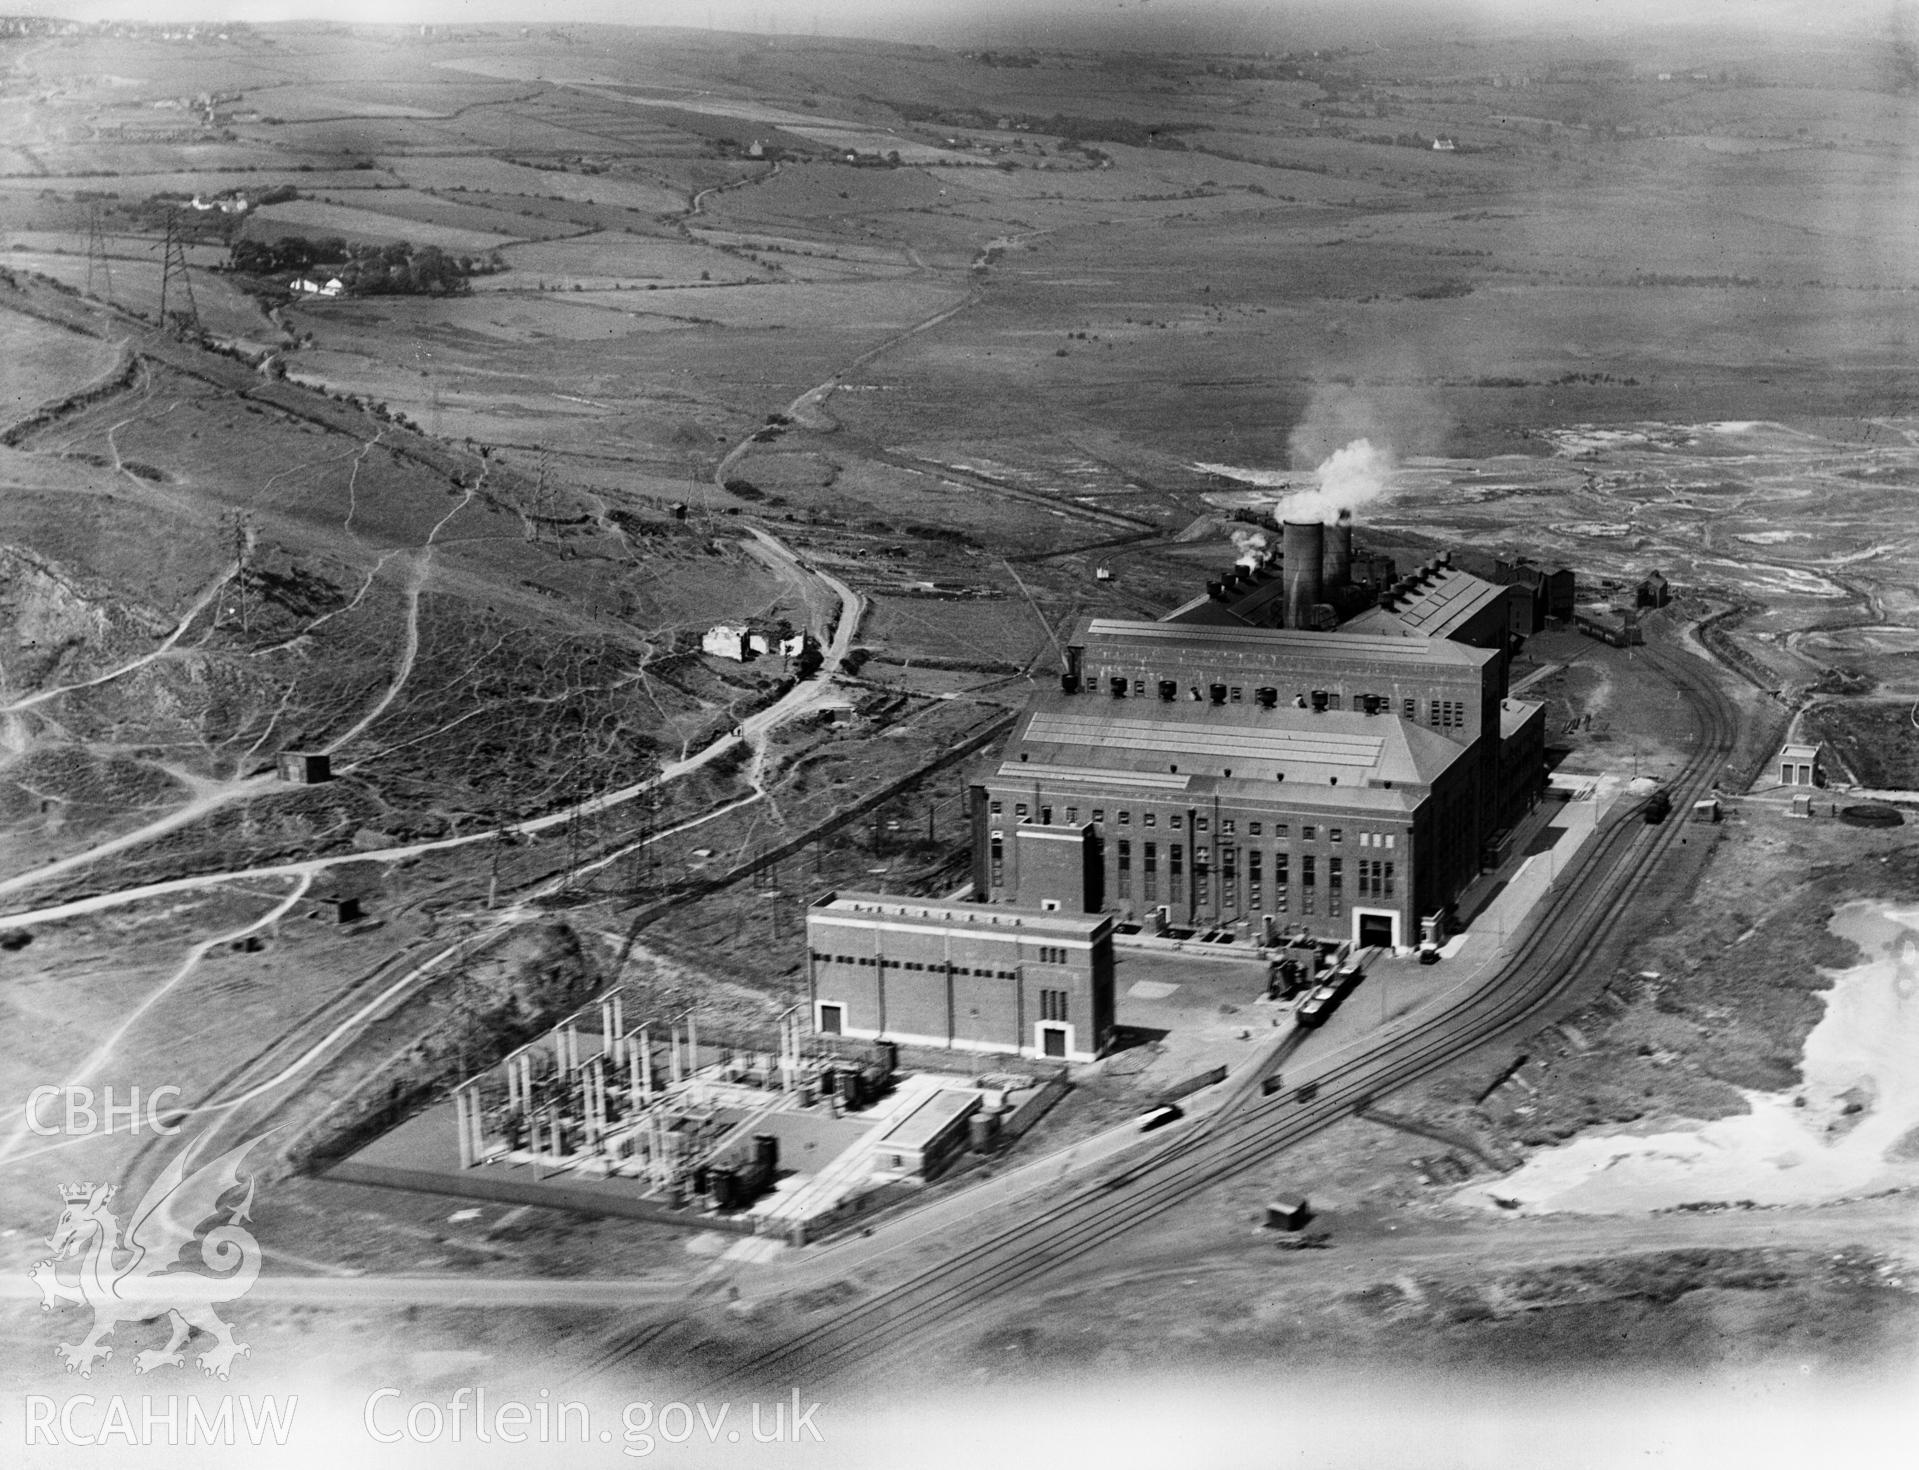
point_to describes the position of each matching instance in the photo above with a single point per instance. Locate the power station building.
(1289, 754)
(1326, 749)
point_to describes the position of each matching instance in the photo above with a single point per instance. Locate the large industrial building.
(1299, 752)
(1322, 749)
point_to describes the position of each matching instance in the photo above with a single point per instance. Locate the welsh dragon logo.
(148, 1271)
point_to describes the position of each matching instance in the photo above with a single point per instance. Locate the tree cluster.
(397, 269)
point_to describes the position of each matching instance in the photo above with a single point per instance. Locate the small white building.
(725, 640)
(1799, 766)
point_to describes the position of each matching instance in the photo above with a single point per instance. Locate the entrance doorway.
(1052, 1040)
(831, 1019)
(1376, 930)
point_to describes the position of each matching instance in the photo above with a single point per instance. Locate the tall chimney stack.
(1339, 552)
(1302, 554)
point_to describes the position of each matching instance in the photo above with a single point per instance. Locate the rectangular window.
(1020, 811)
(1229, 877)
(1227, 826)
(1046, 816)
(1280, 830)
(1099, 814)
(1052, 1005)
(1072, 816)
(1389, 840)
(1308, 833)
(1176, 821)
(1335, 834)
(1335, 872)
(1282, 876)
(1253, 828)
(1139, 686)
(1234, 695)
(1432, 712)
(1308, 871)
(1152, 872)
(1125, 868)
(1389, 880)
(994, 808)
(1202, 824)
(1125, 818)
(1332, 701)
(998, 849)
(1149, 819)
(1175, 864)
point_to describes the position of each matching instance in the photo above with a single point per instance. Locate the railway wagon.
(1618, 629)
(1314, 1010)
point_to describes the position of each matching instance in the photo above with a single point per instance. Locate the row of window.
(870, 962)
(1445, 714)
(1376, 876)
(1228, 826)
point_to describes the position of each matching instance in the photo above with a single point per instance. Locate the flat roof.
(1154, 746)
(921, 1127)
(1443, 601)
(1292, 644)
(1275, 742)
(1057, 834)
(878, 908)
(1513, 715)
(1144, 780)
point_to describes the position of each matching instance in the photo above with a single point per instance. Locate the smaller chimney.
(1339, 551)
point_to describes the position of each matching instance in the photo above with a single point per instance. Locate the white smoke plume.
(1255, 548)
(1348, 478)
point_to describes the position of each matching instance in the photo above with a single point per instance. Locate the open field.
(467, 547)
(315, 218)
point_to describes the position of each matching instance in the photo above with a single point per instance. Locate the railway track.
(1585, 909)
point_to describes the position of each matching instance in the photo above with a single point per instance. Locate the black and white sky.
(1211, 24)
